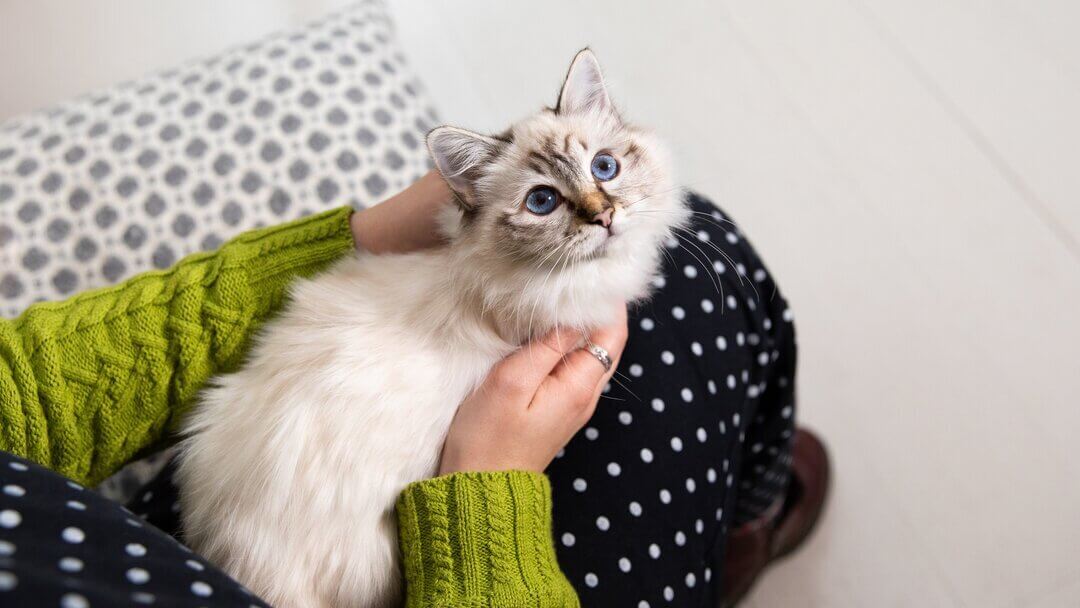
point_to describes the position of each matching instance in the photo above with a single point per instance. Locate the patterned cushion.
(135, 177)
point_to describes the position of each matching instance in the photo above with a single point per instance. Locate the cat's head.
(570, 186)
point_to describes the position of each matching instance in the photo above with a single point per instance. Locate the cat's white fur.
(290, 467)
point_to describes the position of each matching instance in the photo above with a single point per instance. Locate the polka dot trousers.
(691, 438)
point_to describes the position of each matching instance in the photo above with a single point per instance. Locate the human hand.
(532, 403)
(407, 221)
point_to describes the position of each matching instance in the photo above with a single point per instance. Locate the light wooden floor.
(910, 170)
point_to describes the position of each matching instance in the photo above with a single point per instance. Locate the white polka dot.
(707, 305)
(665, 496)
(6, 548)
(708, 574)
(689, 271)
(591, 580)
(9, 518)
(70, 564)
(626, 417)
(636, 370)
(696, 349)
(135, 549)
(740, 338)
(723, 427)
(607, 388)
(767, 324)
(667, 357)
(568, 539)
(731, 381)
(732, 303)
(137, 576)
(134, 523)
(643, 604)
(680, 538)
(687, 395)
(603, 523)
(763, 358)
(646, 455)
(691, 485)
(591, 433)
(753, 391)
(647, 324)
(654, 551)
(735, 419)
(614, 469)
(8, 580)
(194, 565)
(676, 444)
(14, 490)
(721, 342)
(74, 504)
(635, 509)
(712, 387)
(73, 535)
(658, 405)
(624, 564)
(702, 435)
(786, 412)
(201, 589)
(142, 597)
(699, 526)
(730, 480)
(659, 282)
(756, 448)
(719, 267)
(691, 580)
(719, 514)
(710, 475)
(731, 238)
(703, 236)
(18, 466)
(788, 315)
(74, 600)
(74, 486)
(678, 313)
(669, 593)
(580, 485)
(671, 242)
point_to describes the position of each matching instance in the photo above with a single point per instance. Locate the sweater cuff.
(481, 539)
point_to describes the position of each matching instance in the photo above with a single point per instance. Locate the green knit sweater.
(91, 383)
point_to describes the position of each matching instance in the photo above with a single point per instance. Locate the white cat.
(290, 467)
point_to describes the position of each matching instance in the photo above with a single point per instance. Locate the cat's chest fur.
(345, 399)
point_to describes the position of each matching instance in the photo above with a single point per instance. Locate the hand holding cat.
(532, 403)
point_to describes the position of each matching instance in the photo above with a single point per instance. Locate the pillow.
(137, 176)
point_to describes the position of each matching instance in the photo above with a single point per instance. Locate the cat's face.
(562, 187)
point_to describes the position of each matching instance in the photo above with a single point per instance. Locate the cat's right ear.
(459, 155)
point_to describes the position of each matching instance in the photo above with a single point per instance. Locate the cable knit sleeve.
(481, 539)
(89, 383)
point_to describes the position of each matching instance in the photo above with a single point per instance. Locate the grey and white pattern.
(135, 177)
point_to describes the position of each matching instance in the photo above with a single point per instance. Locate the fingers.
(581, 374)
(523, 371)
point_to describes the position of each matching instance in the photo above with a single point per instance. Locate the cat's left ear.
(459, 156)
(583, 91)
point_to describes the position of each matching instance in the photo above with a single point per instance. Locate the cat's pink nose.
(604, 217)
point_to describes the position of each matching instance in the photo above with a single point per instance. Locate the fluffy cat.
(290, 467)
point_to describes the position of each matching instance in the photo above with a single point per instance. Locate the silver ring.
(601, 355)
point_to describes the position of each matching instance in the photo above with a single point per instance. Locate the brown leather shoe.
(754, 545)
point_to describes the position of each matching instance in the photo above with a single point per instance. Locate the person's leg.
(65, 545)
(694, 436)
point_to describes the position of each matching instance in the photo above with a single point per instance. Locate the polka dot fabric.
(65, 545)
(693, 436)
(138, 176)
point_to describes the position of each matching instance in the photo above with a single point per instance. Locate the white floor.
(909, 168)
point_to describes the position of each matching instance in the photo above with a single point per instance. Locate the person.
(688, 478)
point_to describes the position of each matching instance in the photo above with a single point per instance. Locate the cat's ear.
(583, 91)
(459, 155)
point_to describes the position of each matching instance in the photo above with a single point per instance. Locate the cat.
(290, 467)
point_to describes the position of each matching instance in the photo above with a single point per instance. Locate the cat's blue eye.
(604, 166)
(542, 200)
